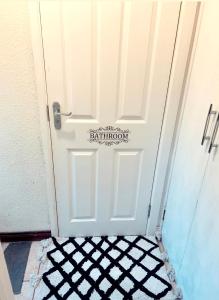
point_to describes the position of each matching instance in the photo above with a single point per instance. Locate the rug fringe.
(158, 235)
(171, 273)
(42, 253)
(35, 280)
(177, 292)
(42, 258)
(164, 256)
(46, 243)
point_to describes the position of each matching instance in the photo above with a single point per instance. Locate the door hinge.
(47, 113)
(164, 213)
(149, 210)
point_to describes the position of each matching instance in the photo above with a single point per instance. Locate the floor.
(33, 267)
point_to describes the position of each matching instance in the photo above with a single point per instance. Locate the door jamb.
(199, 15)
(188, 19)
(41, 87)
(184, 41)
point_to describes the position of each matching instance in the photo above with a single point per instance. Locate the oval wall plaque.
(109, 135)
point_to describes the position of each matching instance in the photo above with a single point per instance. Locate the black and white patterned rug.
(113, 268)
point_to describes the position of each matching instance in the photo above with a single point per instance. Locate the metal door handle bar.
(210, 112)
(63, 114)
(212, 144)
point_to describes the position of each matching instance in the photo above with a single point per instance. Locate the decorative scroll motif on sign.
(109, 135)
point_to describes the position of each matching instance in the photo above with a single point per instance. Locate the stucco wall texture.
(23, 200)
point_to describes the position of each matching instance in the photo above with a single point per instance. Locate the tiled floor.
(33, 267)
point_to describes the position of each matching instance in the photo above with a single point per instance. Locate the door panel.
(104, 63)
(127, 174)
(79, 58)
(83, 174)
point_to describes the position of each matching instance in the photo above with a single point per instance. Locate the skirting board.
(24, 236)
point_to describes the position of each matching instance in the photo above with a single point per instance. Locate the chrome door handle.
(57, 115)
(212, 144)
(63, 114)
(210, 112)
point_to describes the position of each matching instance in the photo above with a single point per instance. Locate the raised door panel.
(127, 175)
(79, 56)
(135, 58)
(82, 182)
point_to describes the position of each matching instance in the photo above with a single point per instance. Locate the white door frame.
(200, 9)
(182, 59)
(184, 41)
(38, 56)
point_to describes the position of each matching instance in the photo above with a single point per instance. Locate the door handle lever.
(212, 144)
(63, 114)
(57, 115)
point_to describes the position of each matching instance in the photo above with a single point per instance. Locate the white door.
(192, 155)
(108, 63)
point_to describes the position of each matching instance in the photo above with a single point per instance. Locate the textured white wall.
(23, 201)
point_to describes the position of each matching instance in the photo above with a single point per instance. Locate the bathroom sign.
(109, 135)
